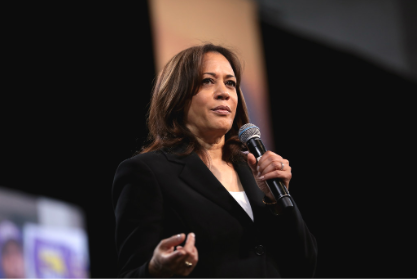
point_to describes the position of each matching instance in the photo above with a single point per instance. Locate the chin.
(223, 128)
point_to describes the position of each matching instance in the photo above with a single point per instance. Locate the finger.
(285, 175)
(189, 246)
(268, 158)
(172, 241)
(274, 165)
(179, 247)
(185, 265)
(177, 261)
(179, 264)
(191, 249)
(252, 162)
(173, 260)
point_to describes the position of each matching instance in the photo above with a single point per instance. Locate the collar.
(198, 176)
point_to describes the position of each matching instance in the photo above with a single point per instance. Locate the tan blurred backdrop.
(179, 24)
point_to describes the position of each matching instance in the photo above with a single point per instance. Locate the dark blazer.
(159, 194)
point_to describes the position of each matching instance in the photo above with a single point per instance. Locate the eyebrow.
(213, 74)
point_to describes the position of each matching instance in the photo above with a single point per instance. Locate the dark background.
(76, 87)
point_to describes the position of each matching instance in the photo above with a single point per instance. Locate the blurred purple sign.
(41, 238)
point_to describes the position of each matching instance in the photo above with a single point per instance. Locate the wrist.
(269, 199)
(272, 205)
(157, 271)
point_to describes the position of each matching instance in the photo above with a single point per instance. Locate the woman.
(192, 203)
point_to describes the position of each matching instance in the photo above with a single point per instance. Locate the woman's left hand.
(270, 166)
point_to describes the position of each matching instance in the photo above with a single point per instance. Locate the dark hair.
(177, 83)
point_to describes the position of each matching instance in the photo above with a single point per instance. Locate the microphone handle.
(276, 186)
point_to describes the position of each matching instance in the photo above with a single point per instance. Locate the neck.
(213, 147)
(212, 142)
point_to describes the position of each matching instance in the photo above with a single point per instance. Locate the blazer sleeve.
(137, 203)
(295, 246)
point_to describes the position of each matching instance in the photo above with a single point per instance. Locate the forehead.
(215, 61)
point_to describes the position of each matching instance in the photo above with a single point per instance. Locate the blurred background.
(332, 84)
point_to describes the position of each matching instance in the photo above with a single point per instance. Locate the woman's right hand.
(166, 261)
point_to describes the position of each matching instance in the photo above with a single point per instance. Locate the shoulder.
(140, 162)
(151, 163)
(137, 171)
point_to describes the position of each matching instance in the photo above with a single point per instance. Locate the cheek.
(236, 106)
(196, 108)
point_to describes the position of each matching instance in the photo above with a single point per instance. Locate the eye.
(231, 83)
(207, 81)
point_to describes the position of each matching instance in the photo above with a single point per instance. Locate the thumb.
(252, 162)
(172, 241)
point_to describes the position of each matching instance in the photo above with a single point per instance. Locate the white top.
(242, 199)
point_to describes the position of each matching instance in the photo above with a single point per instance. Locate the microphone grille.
(248, 131)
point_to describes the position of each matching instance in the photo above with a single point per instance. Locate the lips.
(222, 109)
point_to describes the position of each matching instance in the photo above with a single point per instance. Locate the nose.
(222, 95)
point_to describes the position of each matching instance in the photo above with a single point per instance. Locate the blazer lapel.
(198, 176)
(254, 194)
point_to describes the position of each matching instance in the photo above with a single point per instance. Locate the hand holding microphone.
(271, 172)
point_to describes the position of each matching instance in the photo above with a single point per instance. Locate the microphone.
(250, 135)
